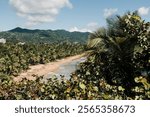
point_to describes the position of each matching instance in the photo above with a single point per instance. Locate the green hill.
(43, 36)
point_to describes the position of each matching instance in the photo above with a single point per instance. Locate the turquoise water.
(67, 69)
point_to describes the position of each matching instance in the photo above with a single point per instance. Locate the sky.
(71, 15)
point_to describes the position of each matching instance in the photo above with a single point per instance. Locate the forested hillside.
(43, 36)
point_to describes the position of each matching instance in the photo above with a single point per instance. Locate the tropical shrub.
(72, 89)
(15, 58)
(120, 53)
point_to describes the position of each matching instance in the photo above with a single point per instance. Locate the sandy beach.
(44, 69)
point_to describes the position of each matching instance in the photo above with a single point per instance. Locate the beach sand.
(44, 69)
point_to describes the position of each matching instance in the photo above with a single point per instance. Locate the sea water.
(66, 69)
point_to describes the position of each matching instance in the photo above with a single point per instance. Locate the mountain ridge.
(43, 36)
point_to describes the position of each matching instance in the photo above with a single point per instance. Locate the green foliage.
(120, 53)
(43, 36)
(31, 89)
(17, 57)
(72, 89)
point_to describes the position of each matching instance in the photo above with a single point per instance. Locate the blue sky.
(73, 15)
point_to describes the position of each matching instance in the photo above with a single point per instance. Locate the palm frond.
(93, 43)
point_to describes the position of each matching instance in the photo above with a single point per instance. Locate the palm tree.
(116, 47)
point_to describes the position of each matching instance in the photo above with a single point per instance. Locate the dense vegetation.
(15, 58)
(43, 36)
(118, 67)
(120, 57)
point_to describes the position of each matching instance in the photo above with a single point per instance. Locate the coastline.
(44, 69)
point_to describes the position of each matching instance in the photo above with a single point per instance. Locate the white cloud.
(39, 11)
(90, 27)
(79, 29)
(144, 10)
(109, 12)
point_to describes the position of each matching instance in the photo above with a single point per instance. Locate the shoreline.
(44, 69)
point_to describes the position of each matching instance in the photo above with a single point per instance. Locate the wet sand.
(44, 69)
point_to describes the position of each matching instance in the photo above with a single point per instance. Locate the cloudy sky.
(72, 15)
